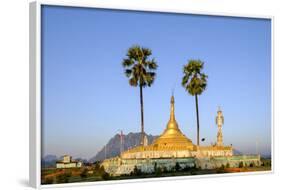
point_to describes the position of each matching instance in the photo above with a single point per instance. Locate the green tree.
(105, 176)
(141, 72)
(165, 170)
(49, 180)
(155, 167)
(177, 167)
(137, 171)
(63, 178)
(227, 165)
(194, 82)
(241, 165)
(158, 171)
(84, 173)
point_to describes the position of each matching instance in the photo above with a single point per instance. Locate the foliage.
(49, 180)
(84, 173)
(101, 172)
(158, 171)
(194, 81)
(105, 176)
(227, 165)
(177, 167)
(155, 167)
(138, 67)
(241, 165)
(165, 170)
(63, 178)
(187, 168)
(265, 162)
(136, 171)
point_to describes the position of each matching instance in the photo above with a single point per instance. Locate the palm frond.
(185, 80)
(128, 72)
(194, 81)
(133, 81)
(152, 65)
(138, 67)
(149, 77)
(127, 62)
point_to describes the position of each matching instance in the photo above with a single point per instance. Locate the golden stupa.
(172, 136)
(172, 142)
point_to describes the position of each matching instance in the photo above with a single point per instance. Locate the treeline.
(92, 173)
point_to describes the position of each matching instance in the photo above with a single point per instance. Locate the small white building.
(67, 162)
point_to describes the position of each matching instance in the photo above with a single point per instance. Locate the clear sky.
(87, 98)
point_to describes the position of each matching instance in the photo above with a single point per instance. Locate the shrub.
(155, 167)
(186, 168)
(165, 170)
(49, 180)
(241, 165)
(137, 171)
(105, 176)
(63, 178)
(158, 171)
(177, 166)
(84, 173)
(227, 165)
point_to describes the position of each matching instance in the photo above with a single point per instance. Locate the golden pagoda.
(171, 143)
(172, 136)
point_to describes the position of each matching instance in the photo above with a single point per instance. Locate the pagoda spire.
(172, 110)
(172, 135)
(172, 124)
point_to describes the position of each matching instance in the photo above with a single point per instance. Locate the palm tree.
(140, 71)
(194, 82)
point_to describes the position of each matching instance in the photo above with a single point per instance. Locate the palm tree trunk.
(142, 123)
(197, 115)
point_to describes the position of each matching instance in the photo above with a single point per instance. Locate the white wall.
(14, 92)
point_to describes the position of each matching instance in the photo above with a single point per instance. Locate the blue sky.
(87, 98)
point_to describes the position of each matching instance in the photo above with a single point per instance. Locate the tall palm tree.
(194, 82)
(141, 72)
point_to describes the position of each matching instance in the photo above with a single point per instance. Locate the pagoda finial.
(219, 109)
(172, 124)
(172, 114)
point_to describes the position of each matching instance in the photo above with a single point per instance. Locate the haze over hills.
(113, 146)
(112, 149)
(49, 161)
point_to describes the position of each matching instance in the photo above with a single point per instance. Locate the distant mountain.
(113, 146)
(85, 161)
(49, 161)
(237, 152)
(50, 157)
(266, 156)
